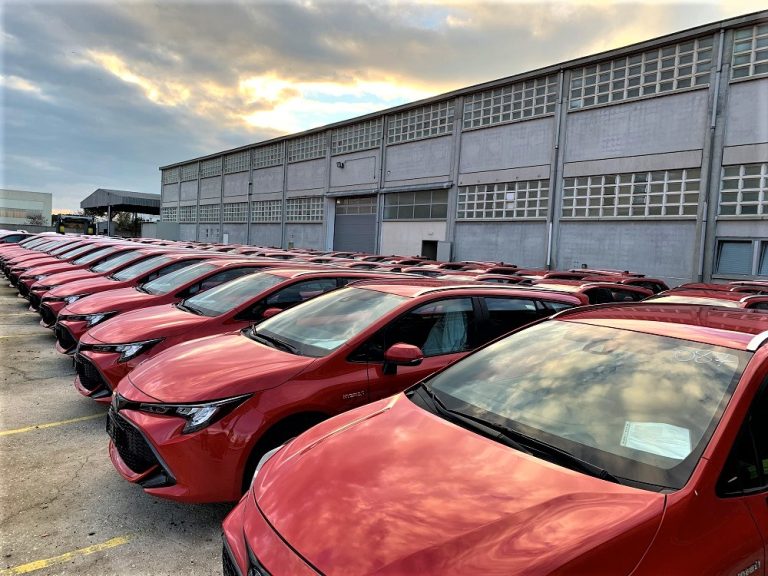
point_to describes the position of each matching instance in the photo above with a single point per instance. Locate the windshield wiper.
(529, 444)
(273, 342)
(182, 306)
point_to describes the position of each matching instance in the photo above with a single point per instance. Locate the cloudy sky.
(99, 94)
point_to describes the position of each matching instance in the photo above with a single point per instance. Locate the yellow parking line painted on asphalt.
(49, 425)
(66, 557)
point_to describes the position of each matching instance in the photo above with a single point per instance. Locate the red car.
(109, 351)
(76, 318)
(46, 254)
(158, 263)
(597, 292)
(626, 439)
(724, 298)
(25, 247)
(191, 423)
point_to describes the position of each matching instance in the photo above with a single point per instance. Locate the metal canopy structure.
(122, 201)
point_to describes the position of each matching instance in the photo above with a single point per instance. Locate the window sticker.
(657, 438)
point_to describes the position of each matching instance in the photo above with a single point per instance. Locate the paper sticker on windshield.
(657, 438)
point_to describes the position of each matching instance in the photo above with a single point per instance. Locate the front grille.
(130, 444)
(90, 377)
(34, 300)
(228, 564)
(65, 338)
(48, 315)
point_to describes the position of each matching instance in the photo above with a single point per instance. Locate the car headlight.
(90, 319)
(127, 351)
(46, 288)
(74, 298)
(198, 416)
(39, 277)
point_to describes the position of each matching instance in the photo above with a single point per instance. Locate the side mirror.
(269, 312)
(401, 355)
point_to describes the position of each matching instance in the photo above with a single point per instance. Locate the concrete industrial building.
(16, 206)
(653, 156)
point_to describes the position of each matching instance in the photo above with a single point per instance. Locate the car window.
(136, 270)
(221, 278)
(114, 262)
(747, 467)
(300, 292)
(506, 314)
(759, 306)
(626, 295)
(171, 268)
(93, 256)
(172, 280)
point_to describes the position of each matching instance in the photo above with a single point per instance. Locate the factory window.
(742, 257)
(425, 205)
(744, 190)
(210, 167)
(189, 172)
(309, 209)
(188, 214)
(432, 120)
(170, 176)
(266, 210)
(237, 212)
(671, 193)
(750, 51)
(169, 214)
(307, 147)
(209, 213)
(514, 102)
(505, 201)
(357, 205)
(237, 162)
(266, 156)
(360, 136)
(653, 72)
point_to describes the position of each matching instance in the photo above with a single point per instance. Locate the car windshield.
(320, 326)
(640, 406)
(174, 280)
(694, 300)
(135, 270)
(116, 261)
(230, 295)
(63, 250)
(75, 252)
(93, 256)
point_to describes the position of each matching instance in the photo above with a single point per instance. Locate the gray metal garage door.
(355, 224)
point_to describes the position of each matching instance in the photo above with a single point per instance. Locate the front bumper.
(49, 311)
(66, 339)
(99, 373)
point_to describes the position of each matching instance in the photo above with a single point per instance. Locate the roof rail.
(489, 286)
(757, 341)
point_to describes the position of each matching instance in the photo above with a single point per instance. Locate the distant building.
(17, 206)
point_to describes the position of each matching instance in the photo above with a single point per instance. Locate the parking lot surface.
(63, 508)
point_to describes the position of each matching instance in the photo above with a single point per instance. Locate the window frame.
(759, 250)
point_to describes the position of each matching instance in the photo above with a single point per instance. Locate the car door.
(445, 330)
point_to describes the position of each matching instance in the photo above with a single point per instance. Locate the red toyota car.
(76, 318)
(625, 439)
(191, 423)
(724, 298)
(45, 254)
(106, 353)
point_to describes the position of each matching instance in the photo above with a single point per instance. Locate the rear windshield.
(134, 271)
(116, 261)
(93, 256)
(174, 280)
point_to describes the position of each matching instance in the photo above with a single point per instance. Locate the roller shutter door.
(355, 224)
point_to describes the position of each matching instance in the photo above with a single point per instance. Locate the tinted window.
(506, 314)
(300, 292)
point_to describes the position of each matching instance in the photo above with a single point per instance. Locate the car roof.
(729, 327)
(313, 271)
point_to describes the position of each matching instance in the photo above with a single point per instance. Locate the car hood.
(121, 299)
(84, 286)
(215, 367)
(394, 489)
(60, 278)
(152, 322)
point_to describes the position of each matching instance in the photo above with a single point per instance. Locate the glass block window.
(744, 190)
(432, 120)
(356, 205)
(189, 172)
(750, 51)
(360, 136)
(266, 210)
(308, 147)
(266, 156)
(209, 213)
(171, 175)
(210, 167)
(653, 72)
(514, 102)
(309, 209)
(237, 162)
(505, 201)
(169, 214)
(425, 205)
(188, 214)
(673, 193)
(237, 212)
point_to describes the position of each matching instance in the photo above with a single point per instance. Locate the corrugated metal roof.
(123, 200)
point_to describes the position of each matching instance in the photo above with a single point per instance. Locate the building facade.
(653, 156)
(18, 206)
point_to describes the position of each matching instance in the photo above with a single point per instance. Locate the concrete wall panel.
(656, 125)
(746, 114)
(309, 175)
(210, 233)
(267, 235)
(404, 238)
(509, 175)
(189, 190)
(647, 163)
(210, 187)
(419, 161)
(521, 243)
(170, 192)
(746, 154)
(167, 230)
(236, 184)
(304, 235)
(655, 248)
(187, 232)
(359, 169)
(268, 180)
(509, 146)
(237, 233)
(742, 228)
